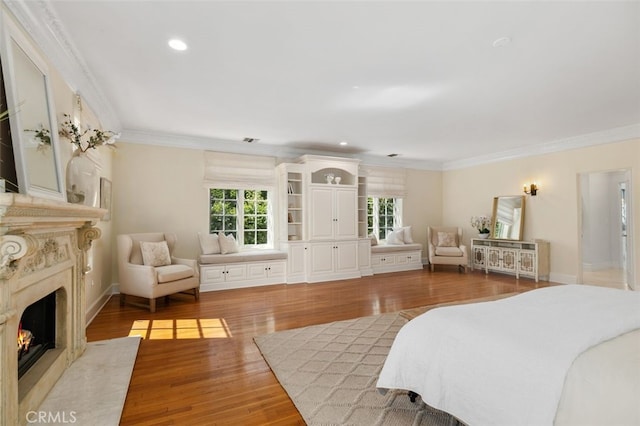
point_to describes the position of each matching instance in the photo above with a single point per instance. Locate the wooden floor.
(198, 365)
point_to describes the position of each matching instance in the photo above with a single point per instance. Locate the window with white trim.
(383, 214)
(244, 213)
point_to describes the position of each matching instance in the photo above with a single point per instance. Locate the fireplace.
(43, 258)
(36, 332)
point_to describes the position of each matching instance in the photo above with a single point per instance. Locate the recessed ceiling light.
(343, 143)
(176, 44)
(355, 87)
(501, 42)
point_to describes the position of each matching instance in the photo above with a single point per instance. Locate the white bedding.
(505, 362)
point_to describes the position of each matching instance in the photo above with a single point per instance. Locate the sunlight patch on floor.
(169, 329)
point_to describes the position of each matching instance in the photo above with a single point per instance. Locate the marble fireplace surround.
(43, 249)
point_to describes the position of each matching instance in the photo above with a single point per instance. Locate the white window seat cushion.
(395, 247)
(242, 256)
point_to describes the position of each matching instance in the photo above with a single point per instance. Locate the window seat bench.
(243, 269)
(396, 257)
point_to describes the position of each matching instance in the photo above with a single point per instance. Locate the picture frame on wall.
(105, 197)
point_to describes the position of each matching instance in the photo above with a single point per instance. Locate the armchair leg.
(152, 305)
(196, 293)
(122, 297)
(431, 267)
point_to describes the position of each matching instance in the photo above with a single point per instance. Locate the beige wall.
(551, 215)
(159, 189)
(423, 205)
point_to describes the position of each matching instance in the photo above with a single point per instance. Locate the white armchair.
(446, 248)
(139, 277)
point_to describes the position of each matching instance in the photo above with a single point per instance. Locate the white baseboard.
(562, 278)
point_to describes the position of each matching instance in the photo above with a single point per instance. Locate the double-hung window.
(383, 214)
(245, 214)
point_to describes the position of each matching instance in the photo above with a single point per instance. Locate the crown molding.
(281, 151)
(617, 134)
(40, 21)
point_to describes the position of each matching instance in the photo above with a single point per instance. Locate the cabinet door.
(345, 209)
(277, 269)
(493, 258)
(296, 259)
(346, 256)
(256, 271)
(528, 261)
(212, 274)
(364, 253)
(321, 212)
(321, 258)
(479, 257)
(509, 260)
(235, 272)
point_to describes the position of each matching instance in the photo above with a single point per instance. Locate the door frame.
(630, 258)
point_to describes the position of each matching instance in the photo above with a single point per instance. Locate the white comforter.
(505, 362)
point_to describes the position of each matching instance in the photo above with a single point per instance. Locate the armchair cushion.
(171, 273)
(449, 251)
(446, 239)
(155, 253)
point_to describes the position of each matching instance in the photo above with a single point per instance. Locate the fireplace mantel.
(43, 249)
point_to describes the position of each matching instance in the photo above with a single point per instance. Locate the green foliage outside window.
(382, 216)
(249, 225)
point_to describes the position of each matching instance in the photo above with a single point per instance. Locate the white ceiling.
(430, 85)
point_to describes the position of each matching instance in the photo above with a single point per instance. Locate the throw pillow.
(374, 240)
(406, 234)
(396, 237)
(228, 243)
(209, 243)
(447, 239)
(155, 254)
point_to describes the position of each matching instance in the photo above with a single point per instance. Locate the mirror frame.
(496, 201)
(11, 33)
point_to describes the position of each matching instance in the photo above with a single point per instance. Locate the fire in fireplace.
(37, 332)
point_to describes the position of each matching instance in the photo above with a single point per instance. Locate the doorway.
(606, 229)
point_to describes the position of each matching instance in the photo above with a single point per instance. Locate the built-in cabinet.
(393, 262)
(325, 205)
(242, 274)
(520, 258)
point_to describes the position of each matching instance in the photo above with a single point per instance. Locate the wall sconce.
(531, 189)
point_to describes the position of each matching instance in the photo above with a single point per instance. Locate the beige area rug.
(93, 390)
(330, 373)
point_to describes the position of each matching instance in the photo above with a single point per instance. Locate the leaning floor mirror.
(508, 218)
(32, 116)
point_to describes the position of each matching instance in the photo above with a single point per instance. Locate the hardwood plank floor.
(198, 364)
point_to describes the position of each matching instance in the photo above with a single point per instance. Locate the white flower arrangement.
(481, 223)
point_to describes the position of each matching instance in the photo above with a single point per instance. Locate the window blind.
(239, 171)
(385, 182)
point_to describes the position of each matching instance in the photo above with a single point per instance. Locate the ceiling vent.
(250, 140)
(392, 155)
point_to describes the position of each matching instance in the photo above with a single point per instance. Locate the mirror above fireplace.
(507, 221)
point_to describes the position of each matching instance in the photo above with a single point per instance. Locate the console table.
(520, 258)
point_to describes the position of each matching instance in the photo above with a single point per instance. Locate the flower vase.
(83, 181)
(483, 236)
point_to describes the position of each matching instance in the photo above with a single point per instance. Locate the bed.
(558, 355)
